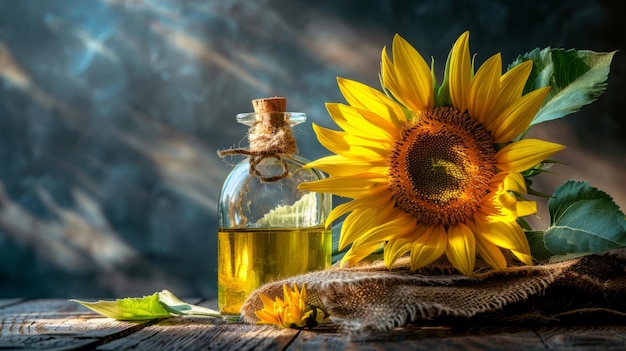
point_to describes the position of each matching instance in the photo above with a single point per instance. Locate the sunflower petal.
(493, 209)
(338, 165)
(460, 72)
(267, 302)
(361, 122)
(512, 83)
(375, 200)
(359, 222)
(516, 118)
(389, 229)
(429, 246)
(267, 318)
(490, 253)
(388, 73)
(396, 248)
(524, 154)
(505, 208)
(413, 76)
(500, 204)
(526, 208)
(352, 187)
(507, 235)
(389, 130)
(485, 89)
(511, 87)
(374, 237)
(364, 97)
(514, 182)
(352, 146)
(356, 254)
(461, 249)
(526, 258)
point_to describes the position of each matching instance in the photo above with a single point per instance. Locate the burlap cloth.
(371, 298)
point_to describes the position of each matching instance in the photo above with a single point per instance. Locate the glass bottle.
(268, 229)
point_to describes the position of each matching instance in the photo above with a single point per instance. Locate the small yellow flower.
(293, 312)
(433, 169)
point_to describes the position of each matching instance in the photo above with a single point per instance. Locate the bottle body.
(269, 230)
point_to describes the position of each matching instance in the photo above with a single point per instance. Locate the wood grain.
(62, 325)
(57, 325)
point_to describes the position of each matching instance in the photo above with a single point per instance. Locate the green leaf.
(162, 304)
(174, 305)
(577, 78)
(131, 308)
(537, 244)
(583, 220)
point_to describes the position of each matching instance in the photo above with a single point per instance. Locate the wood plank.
(590, 337)
(63, 325)
(202, 333)
(423, 338)
(483, 337)
(58, 325)
(194, 333)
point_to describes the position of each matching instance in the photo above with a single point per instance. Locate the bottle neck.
(271, 134)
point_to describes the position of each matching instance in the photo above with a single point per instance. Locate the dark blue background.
(111, 113)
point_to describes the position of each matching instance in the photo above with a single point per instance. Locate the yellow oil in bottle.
(250, 257)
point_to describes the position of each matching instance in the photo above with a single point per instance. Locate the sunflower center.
(441, 166)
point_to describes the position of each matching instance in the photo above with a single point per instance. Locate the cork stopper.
(272, 104)
(270, 114)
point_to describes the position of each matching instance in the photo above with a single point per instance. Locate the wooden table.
(58, 324)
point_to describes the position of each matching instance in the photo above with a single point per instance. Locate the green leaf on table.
(583, 220)
(175, 305)
(130, 308)
(577, 78)
(158, 305)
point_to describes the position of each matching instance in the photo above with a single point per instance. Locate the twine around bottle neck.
(270, 137)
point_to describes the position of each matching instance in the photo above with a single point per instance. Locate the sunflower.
(431, 168)
(292, 312)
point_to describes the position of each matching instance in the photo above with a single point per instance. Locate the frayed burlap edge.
(370, 297)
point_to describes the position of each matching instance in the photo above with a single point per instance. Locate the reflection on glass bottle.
(268, 229)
